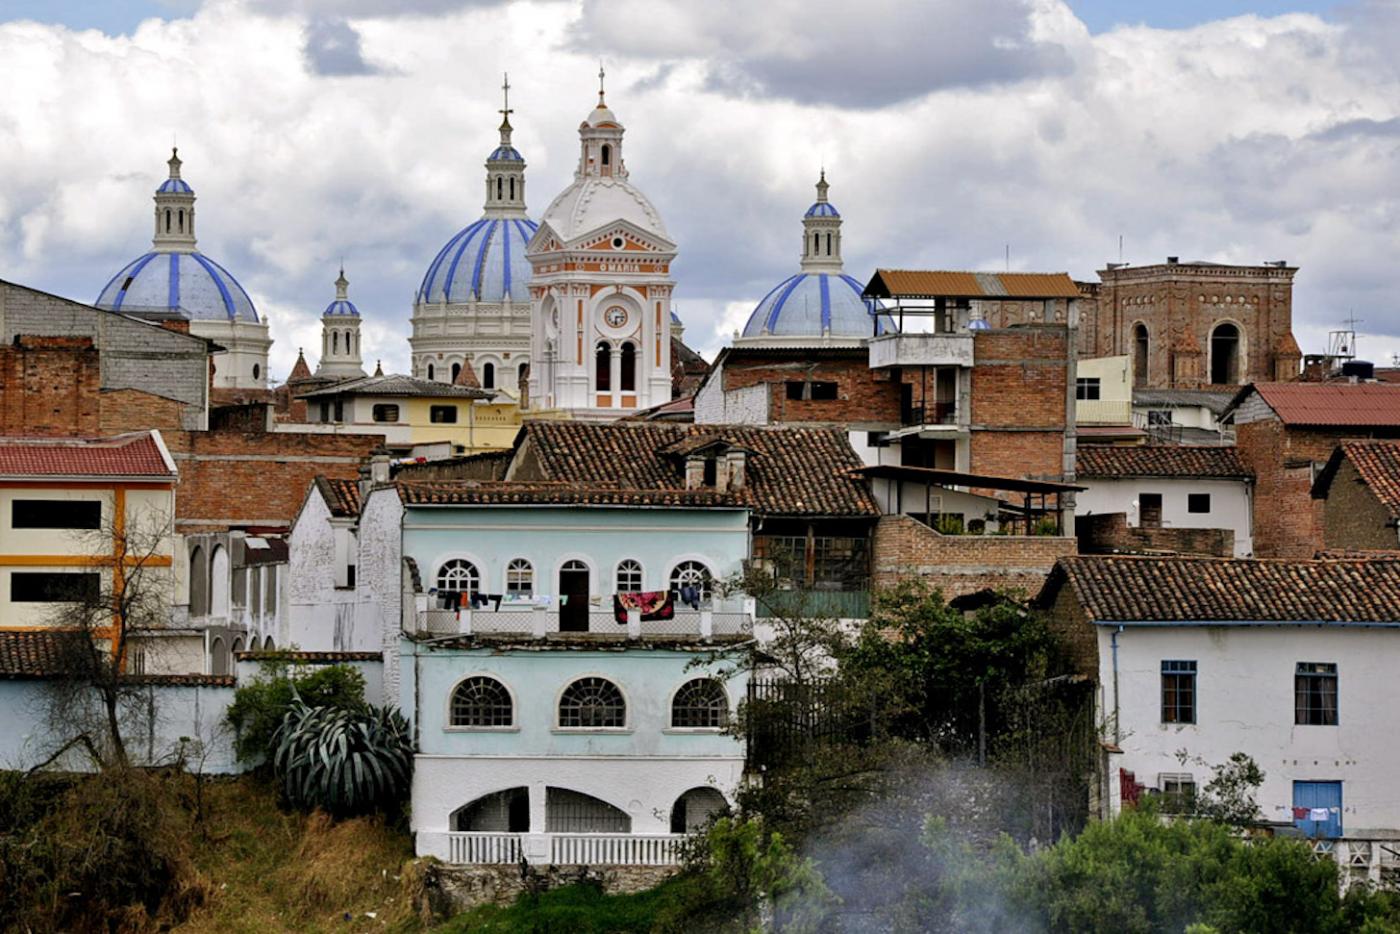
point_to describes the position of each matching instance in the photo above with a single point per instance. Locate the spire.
(505, 112)
(601, 75)
(378, 368)
(174, 162)
(174, 211)
(342, 286)
(505, 169)
(601, 135)
(466, 376)
(821, 233)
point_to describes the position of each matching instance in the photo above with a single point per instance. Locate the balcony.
(1103, 412)
(938, 349)
(558, 849)
(724, 618)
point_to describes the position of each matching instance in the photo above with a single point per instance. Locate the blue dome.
(505, 154)
(485, 262)
(822, 209)
(341, 307)
(813, 305)
(190, 283)
(174, 186)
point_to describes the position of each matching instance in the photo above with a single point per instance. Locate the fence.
(593, 849)
(469, 847)
(535, 622)
(784, 719)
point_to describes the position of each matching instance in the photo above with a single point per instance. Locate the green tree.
(259, 708)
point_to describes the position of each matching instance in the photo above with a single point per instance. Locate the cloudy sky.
(319, 129)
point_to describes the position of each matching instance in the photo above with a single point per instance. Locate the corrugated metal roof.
(929, 283)
(1369, 405)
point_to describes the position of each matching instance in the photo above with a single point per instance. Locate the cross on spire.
(505, 93)
(601, 74)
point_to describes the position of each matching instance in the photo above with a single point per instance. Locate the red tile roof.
(1370, 405)
(1159, 460)
(341, 496)
(1122, 588)
(897, 283)
(137, 454)
(1377, 463)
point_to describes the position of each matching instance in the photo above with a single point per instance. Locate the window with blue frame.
(1178, 691)
(1315, 694)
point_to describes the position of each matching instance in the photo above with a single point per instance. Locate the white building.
(340, 336)
(1169, 487)
(1289, 662)
(601, 288)
(175, 280)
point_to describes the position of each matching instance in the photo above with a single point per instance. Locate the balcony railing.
(623, 849)
(939, 349)
(723, 618)
(491, 848)
(1103, 411)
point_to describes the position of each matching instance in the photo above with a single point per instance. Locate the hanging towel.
(1320, 814)
(654, 604)
(690, 596)
(1300, 813)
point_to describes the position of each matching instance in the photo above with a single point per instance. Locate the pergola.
(1035, 493)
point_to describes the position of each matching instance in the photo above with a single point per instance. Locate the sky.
(952, 133)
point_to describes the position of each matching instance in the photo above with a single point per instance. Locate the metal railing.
(625, 849)
(722, 618)
(482, 847)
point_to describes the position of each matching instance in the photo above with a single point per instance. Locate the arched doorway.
(1225, 354)
(567, 811)
(218, 581)
(218, 658)
(573, 597)
(693, 810)
(505, 811)
(199, 582)
(1140, 355)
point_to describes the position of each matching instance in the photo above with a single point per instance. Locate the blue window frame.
(1178, 691)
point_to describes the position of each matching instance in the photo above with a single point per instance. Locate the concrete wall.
(1245, 694)
(1231, 505)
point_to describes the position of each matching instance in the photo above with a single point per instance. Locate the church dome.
(822, 209)
(189, 283)
(813, 305)
(344, 308)
(484, 262)
(592, 202)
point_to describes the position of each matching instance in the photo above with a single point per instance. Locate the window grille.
(458, 576)
(1178, 692)
(574, 812)
(629, 576)
(592, 704)
(694, 574)
(1315, 694)
(520, 578)
(700, 704)
(482, 701)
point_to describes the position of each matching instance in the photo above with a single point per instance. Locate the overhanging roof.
(955, 478)
(938, 283)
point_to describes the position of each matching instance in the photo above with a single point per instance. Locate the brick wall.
(232, 478)
(1109, 533)
(133, 410)
(1353, 518)
(863, 395)
(49, 386)
(1078, 638)
(1020, 384)
(905, 549)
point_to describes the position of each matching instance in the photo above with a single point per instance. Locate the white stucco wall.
(379, 610)
(320, 618)
(1245, 703)
(1229, 504)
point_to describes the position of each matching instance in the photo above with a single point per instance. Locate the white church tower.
(600, 343)
(340, 335)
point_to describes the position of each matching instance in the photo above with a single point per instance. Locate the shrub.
(345, 762)
(259, 708)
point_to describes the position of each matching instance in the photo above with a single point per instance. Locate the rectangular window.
(1178, 792)
(325, 410)
(56, 514)
(1150, 510)
(1178, 691)
(795, 390)
(823, 392)
(339, 410)
(1315, 694)
(384, 412)
(1198, 502)
(1087, 388)
(54, 587)
(442, 414)
(1159, 417)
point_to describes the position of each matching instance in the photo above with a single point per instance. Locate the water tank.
(1360, 370)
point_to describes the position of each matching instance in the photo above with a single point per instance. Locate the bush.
(345, 762)
(258, 708)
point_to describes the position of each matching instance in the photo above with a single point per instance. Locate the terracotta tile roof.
(201, 680)
(1122, 588)
(394, 384)
(486, 465)
(311, 657)
(342, 496)
(30, 654)
(136, 454)
(1159, 460)
(1377, 463)
(900, 283)
(791, 471)
(1369, 405)
(479, 493)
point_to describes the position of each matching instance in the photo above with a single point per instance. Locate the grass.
(573, 909)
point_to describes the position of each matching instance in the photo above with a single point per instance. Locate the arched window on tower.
(430, 371)
(456, 371)
(512, 189)
(816, 243)
(602, 361)
(488, 376)
(180, 219)
(607, 154)
(628, 377)
(335, 342)
(500, 186)
(167, 220)
(1225, 354)
(1140, 355)
(828, 244)
(522, 373)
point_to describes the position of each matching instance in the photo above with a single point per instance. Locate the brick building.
(1193, 325)
(1360, 493)
(1285, 433)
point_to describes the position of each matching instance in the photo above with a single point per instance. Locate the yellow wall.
(481, 426)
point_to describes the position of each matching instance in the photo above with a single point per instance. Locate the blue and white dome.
(484, 262)
(191, 284)
(341, 307)
(822, 209)
(174, 186)
(814, 304)
(505, 153)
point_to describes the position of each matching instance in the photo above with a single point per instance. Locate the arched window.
(692, 574)
(180, 219)
(167, 220)
(522, 373)
(430, 371)
(458, 576)
(628, 375)
(693, 810)
(268, 644)
(700, 704)
(456, 371)
(567, 811)
(1225, 354)
(592, 704)
(828, 244)
(499, 812)
(199, 582)
(816, 243)
(482, 702)
(257, 371)
(218, 658)
(237, 647)
(488, 376)
(629, 576)
(602, 360)
(520, 578)
(500, 183)
(607, 154)
(512, 189)
(1140, 355)
(218, 581)
(335, 342)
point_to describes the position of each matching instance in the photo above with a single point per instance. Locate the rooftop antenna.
(1341, 345)
(1008, 257)
(1120, 249)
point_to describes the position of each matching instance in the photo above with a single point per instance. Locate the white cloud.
(1241, 140)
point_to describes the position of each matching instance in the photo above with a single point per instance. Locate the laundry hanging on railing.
(654, 605)
(480, 600)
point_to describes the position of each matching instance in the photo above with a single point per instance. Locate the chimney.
(1173, 260)
(735, 463)
(694, 473)
(376, 473)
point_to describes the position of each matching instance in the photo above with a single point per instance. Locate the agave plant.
(345, 761)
